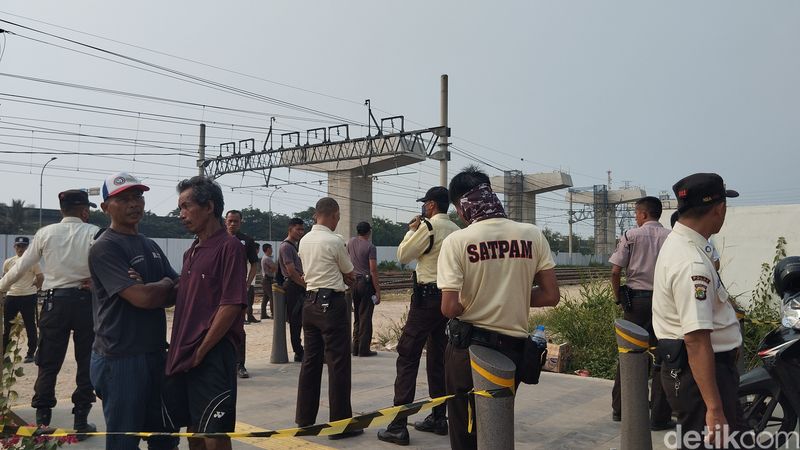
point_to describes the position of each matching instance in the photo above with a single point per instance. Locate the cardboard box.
(558, 357)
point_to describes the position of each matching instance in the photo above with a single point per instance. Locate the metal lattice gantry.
(349, 162)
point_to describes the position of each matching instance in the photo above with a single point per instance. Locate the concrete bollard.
(279, 355)
(633, 342)
(494, 416)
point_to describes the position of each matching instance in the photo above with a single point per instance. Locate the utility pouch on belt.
(416, 295)
(324, 298)
(459, 333)
(47, 305)
(673, 354)
(533, 358)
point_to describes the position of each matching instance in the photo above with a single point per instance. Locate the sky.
(651, 91)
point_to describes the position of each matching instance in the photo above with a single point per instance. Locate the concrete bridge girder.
(521, 204)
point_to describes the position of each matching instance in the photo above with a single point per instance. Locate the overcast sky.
(651, 91)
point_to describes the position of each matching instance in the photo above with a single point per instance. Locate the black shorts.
(204, 398)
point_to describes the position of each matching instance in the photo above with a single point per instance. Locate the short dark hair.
(465, 181)
(651, 205)
(265, 247)
(696, 212)
(326, 206)
(73, 210)
(363, 228)
(296, 221)
(234, 211)
(204, 190)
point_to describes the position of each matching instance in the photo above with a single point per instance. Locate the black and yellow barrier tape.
(372, 419)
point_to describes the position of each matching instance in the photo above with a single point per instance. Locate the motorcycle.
(769, 396)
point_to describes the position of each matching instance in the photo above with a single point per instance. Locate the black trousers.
(26, 306)
(64, 312)
(327, 337)
(687, 402)
(362, 315)
(251, 298)
(458, 377)
(424, 327)
(266, 287)
(295, 295)
(660, 412)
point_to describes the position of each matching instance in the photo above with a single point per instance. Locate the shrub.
(388, 265)
(587, 323)
(764, 311)
(392, 331)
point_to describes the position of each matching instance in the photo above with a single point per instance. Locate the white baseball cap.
(120, 181)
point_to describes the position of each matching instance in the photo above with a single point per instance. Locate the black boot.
(81, 424)
(396, 432)
(433, 424)
(43, 416)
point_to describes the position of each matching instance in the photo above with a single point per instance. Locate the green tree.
(388, 233)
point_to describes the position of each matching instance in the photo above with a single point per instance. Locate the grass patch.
(390, 333)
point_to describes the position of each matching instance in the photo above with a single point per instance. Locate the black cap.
(437, 194)
(701, 189)
(74, 197)
(21, 240)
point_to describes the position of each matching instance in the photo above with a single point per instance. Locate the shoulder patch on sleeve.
(700, 291)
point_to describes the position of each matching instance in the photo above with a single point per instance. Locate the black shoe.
(432, 424)
(298, 357)
(369, 353)
(28, 359)
(345, 435)
(397, 436)
(668, 425)
(252, 319)
(43, 416)
(242, 372)
(81, 424)
(616, 417)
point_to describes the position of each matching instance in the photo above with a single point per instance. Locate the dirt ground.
(388, 314)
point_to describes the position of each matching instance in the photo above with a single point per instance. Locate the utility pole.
(570, 226)
(201, 151)
(444, 144)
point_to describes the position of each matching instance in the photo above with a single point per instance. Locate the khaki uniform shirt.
(637, 252)
(26, 285)
(688, 294)
(416, 242)
(65, 249)
(492, 263)
(325, 259)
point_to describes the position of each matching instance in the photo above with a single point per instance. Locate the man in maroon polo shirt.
(208, 325)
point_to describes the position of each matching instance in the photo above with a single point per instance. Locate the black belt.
(426, 289)
(634, 293)
(497, 340)
(69, 292)
(313, 294)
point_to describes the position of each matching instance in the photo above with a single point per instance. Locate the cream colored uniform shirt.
(325, 259)
(688, 294)
(65, 249)
(492, 263)
(26, 285)
(416, 242)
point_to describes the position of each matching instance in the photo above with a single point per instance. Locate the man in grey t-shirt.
(295, 285)
(363, 254)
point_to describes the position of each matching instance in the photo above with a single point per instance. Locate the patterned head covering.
(480, 203)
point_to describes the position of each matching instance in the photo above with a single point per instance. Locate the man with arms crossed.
(364, 256)
(208, 328)
(486, 273)
(295, 285)
(132, 282)
(21, 298)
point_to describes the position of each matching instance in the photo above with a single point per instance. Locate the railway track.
(567, 276)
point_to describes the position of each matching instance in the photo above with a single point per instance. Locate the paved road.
(562, 412)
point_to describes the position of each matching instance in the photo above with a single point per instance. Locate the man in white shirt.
(67, 307)
(326, 320)
(21, 298)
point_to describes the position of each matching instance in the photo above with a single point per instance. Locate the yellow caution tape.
(380, 417)
(632, 339)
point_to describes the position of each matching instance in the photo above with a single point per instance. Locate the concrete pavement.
(561, 412)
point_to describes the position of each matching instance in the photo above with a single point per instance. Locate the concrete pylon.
(520, 190)
(278, 354)
(494, 416)
(633, 342)
(353, 191)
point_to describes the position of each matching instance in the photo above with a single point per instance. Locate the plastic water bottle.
(539, 337)
(374, 299)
